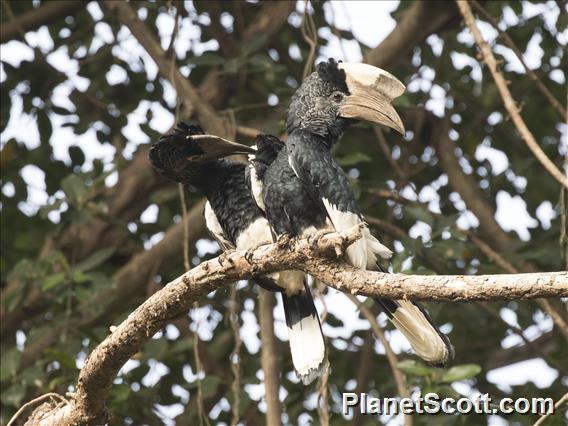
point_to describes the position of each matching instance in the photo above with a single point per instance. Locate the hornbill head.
(190, 143)
(338, 93)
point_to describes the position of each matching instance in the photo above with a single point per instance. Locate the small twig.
(558, 404)
(387, 153)
(235, 356)
(509, 41)
(247, 132)
(564, 223)
(170, 50)
(269, 358)
(544, 304)
(187, 266)
(32, 403)
(492, 254)
(519, 332)
(336, 32)
(399, 377)
(508, 100)
(309, 32)
(323, 390)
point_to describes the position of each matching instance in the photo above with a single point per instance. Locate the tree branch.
(35, 18)
(317, 257)
(416, 23)
(508, 100)
(398, 375)
(509, 41)
(269, 358)
(128, 280)
(191, 98)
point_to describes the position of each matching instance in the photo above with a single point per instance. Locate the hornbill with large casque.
(232, 216)
(305, 190)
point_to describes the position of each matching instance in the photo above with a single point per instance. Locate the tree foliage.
(89, 231)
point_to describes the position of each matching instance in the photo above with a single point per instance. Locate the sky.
(374, 23)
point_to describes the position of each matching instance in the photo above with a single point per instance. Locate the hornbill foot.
(224, 257)
(248, 255)
(250, 251)
(316, 236)
(283, 240)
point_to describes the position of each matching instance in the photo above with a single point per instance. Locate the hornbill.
(232, 216)
(305, 190)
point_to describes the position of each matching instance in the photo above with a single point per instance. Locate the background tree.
(89, 231)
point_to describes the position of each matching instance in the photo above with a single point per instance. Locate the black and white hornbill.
(305, 190)
(234, 219)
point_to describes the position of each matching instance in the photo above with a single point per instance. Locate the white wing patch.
(255, 234)
(256, 188)
(362, 253)
(212, 223)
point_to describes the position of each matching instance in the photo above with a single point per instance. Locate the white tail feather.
(423, 337)
(308, 349)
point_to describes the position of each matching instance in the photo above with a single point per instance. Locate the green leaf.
(415, 368)
(22, 270)
(62, 358)
(10, 363)
(208, 385)
(53, 280)
(14, 394)
(460, 372)
(207, 59)
(77, 156)
(75, 189)
(353, 159)
(119, 393)
(95, 259)
(419, 213)
(253, 45)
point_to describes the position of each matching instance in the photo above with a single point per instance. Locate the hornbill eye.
(337, 96)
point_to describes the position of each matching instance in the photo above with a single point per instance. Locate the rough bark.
(319, 258)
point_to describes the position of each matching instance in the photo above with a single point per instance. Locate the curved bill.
(371, 91)
(215, 147)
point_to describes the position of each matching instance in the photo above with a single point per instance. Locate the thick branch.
(417, 22)
(102, 365)
(508, 100)
(469, 191)
(192, 101)
(33, 19)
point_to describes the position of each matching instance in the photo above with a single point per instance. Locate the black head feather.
(331, 74)
(315, 105)
(169, 155)
(267, 148)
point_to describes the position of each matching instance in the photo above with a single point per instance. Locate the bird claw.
(283, 240)
(224, 257)
(248, 255)
(316, 236)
